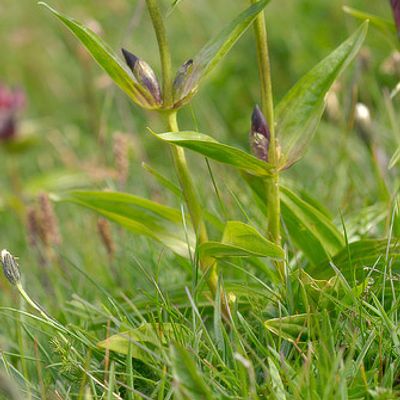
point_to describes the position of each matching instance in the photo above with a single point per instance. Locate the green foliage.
(108, 315)
(190, 384)
(212, 53)
(299, 112)
(223, 153)
(311, 230)
(240, 240)
(105, 57)
(138, 215)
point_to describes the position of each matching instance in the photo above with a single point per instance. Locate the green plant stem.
(163, 48)
(267, 107)
(207, 265)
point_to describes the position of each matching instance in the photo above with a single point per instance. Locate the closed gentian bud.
(181, 77)
(259, 135)
(396, 13)
(10, 267)
(144, 74)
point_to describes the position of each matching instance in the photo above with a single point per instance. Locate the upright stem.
(185, 179)
(163, 48)
(207, 265)
(267, 107)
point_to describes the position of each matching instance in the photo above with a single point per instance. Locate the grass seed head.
(32, 226)
(121, 156)
(104, 230)
(49, 230)
(10, 267)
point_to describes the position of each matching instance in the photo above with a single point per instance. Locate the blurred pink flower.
(396, 13)
(11, 102)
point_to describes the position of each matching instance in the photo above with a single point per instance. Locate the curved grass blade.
(106, 58)
(384, 25)
(299, 112)
(209, 147)
(189, 383)
(359, 257)
(212, 53)
(291, 327)
(241, 240)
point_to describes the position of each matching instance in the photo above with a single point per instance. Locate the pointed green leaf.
(105, 57)
(189, 383)
(223, 153)
(138, 215)
(212, 53)
(150, 335)
(241, 240)
(312, 231)
(299, 112)
(291, 327)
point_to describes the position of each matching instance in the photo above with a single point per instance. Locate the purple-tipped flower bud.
(144, 74)
(259, 135)
(396, 13)
(10, 267)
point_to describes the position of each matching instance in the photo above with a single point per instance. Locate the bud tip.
(130, 58)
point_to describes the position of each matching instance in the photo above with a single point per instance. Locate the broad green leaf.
(57, 180)
(209, 147)
(292, 327)
(299, 112)
(359, 257)
(241, 240)
(136, 214)
(189, 383)
(124, 204)
(312, 231)
(386, 26)
(212, 53)
(105, 57)
(151, 335)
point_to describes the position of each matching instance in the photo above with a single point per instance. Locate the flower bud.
(10, 267)
(259, 135)
(181, 77)
(144, 74)
(396, 13)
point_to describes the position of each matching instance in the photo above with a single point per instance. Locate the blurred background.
(76, 122)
